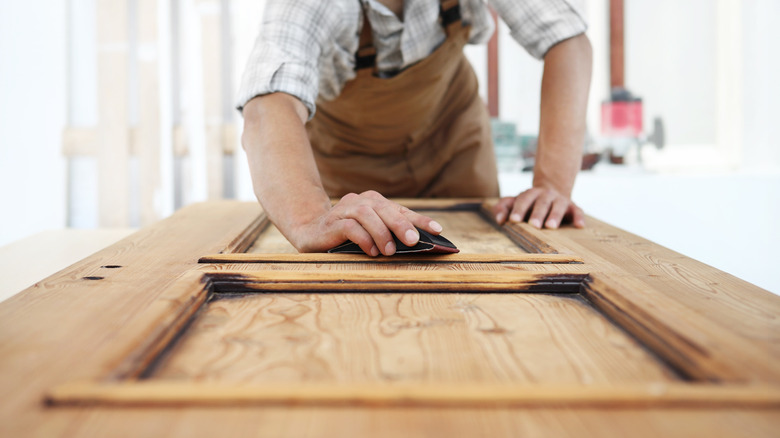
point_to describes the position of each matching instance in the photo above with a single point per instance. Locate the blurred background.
(115, 113)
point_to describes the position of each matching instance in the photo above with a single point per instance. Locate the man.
(376, 97)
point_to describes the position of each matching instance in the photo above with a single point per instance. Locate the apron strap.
(449, 12)
(366, 53)
(365, 57)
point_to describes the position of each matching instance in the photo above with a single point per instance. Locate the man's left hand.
(543, 207)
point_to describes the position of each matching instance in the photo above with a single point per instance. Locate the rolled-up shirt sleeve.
(286, 53)
(538, 25)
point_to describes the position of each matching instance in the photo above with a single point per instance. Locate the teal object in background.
(513, 152)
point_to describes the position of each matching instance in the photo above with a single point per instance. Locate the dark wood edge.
(247, 238)
(703, 352)
(384, 280)
(159, 325)
(522, 238)
(521, 234)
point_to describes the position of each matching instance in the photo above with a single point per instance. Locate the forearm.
(284, 174)
(288, 185)
(564, 98)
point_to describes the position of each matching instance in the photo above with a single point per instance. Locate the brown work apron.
(424, 132)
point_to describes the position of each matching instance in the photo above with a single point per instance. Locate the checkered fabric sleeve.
(286, 53)
(540, 24)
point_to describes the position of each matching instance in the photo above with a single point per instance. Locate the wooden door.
(213, 308)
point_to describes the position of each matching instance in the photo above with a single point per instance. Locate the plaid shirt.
(307, 48)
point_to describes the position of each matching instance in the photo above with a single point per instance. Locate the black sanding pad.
(428, 244)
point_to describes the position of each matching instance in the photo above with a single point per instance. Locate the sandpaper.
(428, 244)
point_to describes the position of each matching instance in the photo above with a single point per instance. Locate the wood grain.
(402, 258)
(246, 239)
(155, 328)
(472, 234)
(724, 314)
(376, 264)
(518, 233)
(705, 292)
(687, 345)
(406, 338)
(156, 393)
(414, 422)
(64, 328)
(271, 241)
(63, 248)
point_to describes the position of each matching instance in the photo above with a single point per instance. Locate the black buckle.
(450, 15)
(365, 58)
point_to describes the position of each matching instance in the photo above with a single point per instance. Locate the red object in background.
(621, 118)
(492, 68)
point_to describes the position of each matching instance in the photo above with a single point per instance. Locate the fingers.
(578, 216)
(419, 220)
(378, 218)
(365, 216)
(370, 220)
(502, 208)
(396, 219)
(353, 231)
(560, 207)
(543, 208)
(523, 204)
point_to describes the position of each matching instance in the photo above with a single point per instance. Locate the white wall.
(32, 115)
(247, 16)
(82, 110)
(670, 48)
(761, 90)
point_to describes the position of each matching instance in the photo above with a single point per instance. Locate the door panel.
(467, 229)
(620, 336)
(407, 338)
(517, 317)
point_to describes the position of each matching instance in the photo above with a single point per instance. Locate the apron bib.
(424, 132)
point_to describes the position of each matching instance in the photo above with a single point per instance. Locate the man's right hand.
(288, 186)
(368, 219)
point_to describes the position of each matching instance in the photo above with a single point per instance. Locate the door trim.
(710, 382)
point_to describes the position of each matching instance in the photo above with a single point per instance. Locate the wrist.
(294, 212)
(557, 163)
(560, 184)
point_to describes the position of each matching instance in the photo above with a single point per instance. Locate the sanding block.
(428, 244)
